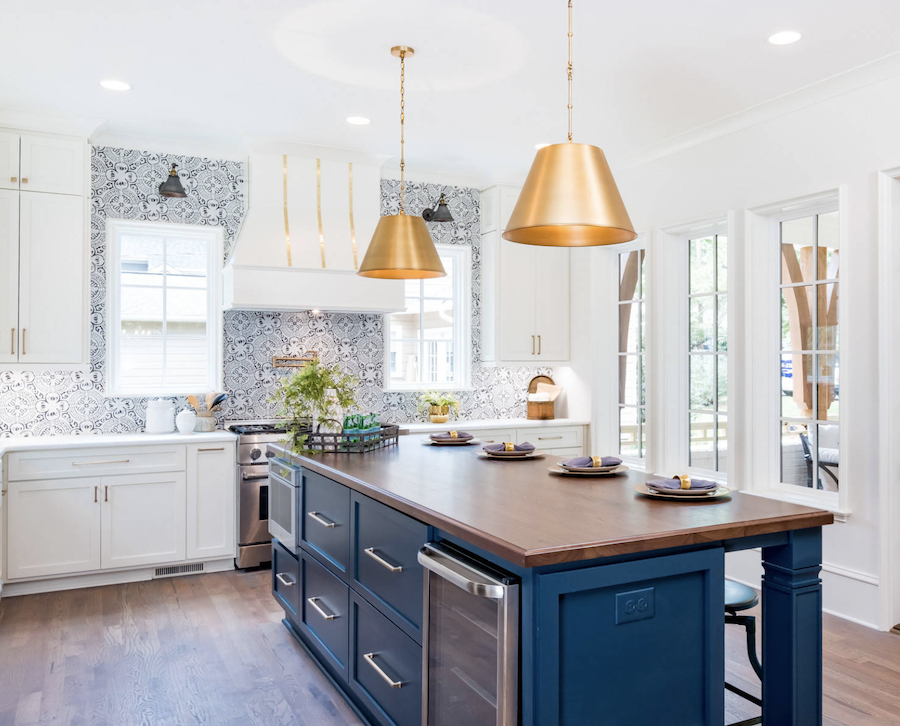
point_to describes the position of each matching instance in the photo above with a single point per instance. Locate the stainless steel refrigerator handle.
(460, 574)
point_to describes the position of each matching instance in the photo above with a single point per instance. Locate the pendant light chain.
(402, 125)
(570, 71)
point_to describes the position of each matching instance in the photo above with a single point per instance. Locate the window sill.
(828, 501)
(157, 394)
(421, 389)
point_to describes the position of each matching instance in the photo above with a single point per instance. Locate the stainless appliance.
(470, 646)
(285, 481)
(254, 541)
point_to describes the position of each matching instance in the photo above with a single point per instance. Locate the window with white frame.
(164, 313)
(428, 345)
(809, 415)
(632, 374)
(708, 352)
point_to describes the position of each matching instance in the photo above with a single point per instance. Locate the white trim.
(214, 319)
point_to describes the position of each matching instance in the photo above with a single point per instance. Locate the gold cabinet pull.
(370, 659)
(106, 493)
(532, 345)
(221, 448)
(95, 493)
(314, 601)
(321, 520)
(13, 179)
(381, 561)
(24, 179)
(539, 345)
(12, 341)
(98, 463)
(23, 341)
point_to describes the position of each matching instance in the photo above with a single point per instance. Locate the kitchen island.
(584, 552)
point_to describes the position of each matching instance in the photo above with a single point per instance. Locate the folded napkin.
(583, 462)
(525, 447)
(447, 436)
(701, 485)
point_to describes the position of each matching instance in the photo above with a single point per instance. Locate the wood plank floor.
(211, 649)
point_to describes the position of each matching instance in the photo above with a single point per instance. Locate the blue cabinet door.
(286, 580)
(639, 642)
(325, 513)
(324, 611)
(385, 566)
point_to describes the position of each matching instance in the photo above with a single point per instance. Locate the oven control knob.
(255, 454)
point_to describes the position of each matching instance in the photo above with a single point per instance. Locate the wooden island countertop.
(522, 513)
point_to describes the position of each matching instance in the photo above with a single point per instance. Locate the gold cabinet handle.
(532, 345)
(23, 341)
(370, 659)
(106, 493)
(283, 580)
(97, 463)
(24, 179)
(539, 345)
(13, 179)
(95, 493)
(12, 342)
(321, 520)
(314, 601)
(221, 448)
(381, 561)
(548, 438)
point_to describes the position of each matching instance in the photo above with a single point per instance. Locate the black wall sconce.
(171, 187)
(440, 213)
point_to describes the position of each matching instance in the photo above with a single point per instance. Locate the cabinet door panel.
(54, 527)
(9, 273)
(54, 165)
(551, 297)
(142, 520)
(51, 270)
(211, 473)
(516, 318)
(9, 161)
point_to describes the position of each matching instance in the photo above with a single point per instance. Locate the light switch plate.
(635, 605)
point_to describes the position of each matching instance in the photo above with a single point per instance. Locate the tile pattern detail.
(124, 185)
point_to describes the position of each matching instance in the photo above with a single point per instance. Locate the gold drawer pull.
(321, 520)
(539, 345)
(381, 561)
(13, 179)
(221, 448)
(532, 345)
(98, 463)
(370, 659)
(283, 580)
(24, 179)
(12, 342)
(548, 438)
(23, 341)
(314, 601)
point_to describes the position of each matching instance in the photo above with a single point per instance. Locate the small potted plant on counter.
(438, 405)
(316, 394)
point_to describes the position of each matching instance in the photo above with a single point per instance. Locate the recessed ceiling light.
(785, 37)
(541, 146)
(358, 120)
(114, 85)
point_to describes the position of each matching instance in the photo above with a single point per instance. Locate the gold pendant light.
(401, 248)
(570, 198)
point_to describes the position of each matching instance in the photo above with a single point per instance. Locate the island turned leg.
(792, 631)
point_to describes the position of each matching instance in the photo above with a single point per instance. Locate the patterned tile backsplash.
(124, 185)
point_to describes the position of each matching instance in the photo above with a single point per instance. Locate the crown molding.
(824, 90)
(79, 126)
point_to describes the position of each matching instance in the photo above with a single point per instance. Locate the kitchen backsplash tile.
(124, 185)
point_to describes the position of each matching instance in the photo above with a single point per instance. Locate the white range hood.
(307, 227)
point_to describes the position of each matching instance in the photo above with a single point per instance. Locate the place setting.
(508, 451)
(683, 488)
(450, 438)
(587, 466)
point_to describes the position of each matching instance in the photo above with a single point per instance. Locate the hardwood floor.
(211, 649)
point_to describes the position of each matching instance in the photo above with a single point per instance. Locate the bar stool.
(739, 597)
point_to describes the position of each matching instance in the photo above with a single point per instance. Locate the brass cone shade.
(401, 249)
(570, 199)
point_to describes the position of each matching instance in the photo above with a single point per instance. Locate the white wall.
(845, 140)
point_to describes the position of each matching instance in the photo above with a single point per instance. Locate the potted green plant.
(316, 394)
(438, 405)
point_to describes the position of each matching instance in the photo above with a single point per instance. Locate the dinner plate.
(621, 469)
(508, 454)
(590, 469)
(428, 441)
(521, 457)
(687, 492)
(698, 497)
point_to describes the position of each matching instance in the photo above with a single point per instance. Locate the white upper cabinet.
(52, 252)
(525, 291)
(52, 164)
(9, 276)
(9, 160)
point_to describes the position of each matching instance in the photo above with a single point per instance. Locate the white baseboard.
(99, 579)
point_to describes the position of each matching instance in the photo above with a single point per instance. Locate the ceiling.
(486, 84)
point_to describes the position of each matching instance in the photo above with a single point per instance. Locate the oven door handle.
(254, 477)
(460, 574)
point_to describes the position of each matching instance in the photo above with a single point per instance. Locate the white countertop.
(500, 423)
(31, 443)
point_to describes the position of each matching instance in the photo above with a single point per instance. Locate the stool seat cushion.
(739, 597)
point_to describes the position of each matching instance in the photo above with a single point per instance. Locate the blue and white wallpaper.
(124, 185)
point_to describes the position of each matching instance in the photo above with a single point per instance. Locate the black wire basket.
(356, 442)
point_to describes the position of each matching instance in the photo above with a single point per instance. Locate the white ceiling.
(486, 84)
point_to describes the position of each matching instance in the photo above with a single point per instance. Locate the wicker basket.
(353, 443)
(541, 410)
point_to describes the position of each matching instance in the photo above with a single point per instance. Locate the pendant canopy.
(401, 249)
(172, 187)
(570, 199)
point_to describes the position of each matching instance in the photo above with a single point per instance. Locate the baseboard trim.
(100, 579)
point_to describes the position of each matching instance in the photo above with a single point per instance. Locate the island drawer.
(286, 580)
(325, 513)
(552, 438)
(324, 609)
(495, 436)
(94, 461)
(386, 544)
(385, 666)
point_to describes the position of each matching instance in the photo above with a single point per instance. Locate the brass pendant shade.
(401, 249)
(570, 199)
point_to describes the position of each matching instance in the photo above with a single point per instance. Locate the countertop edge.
(37, 443)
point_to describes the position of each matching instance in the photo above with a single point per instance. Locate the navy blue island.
(434, 587)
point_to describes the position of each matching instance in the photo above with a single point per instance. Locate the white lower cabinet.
(211, 480)
(54, 527)
(142, 520)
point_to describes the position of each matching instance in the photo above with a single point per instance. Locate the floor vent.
(178, 570)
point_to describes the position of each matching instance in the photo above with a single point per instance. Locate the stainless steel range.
(254, 541)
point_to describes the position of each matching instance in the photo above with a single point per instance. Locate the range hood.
(309, 221)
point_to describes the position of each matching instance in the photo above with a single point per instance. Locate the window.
(632, 354)
(164, 325)
(809, 415)
(708, 353)
(428, 347)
